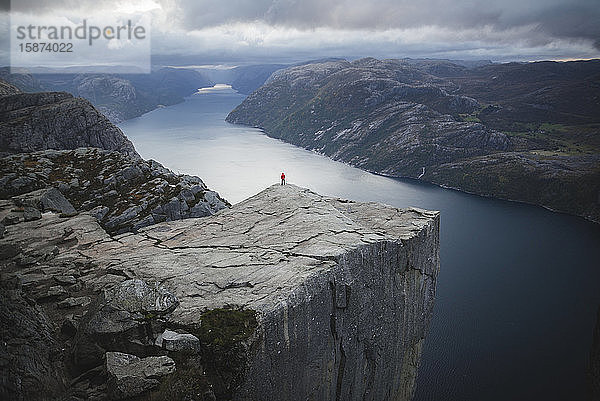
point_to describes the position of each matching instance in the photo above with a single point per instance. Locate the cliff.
(533, 138)
(286, 296)
(56, 120)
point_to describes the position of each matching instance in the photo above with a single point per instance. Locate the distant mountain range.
(522, 131)
(54, 140)
(118, 96)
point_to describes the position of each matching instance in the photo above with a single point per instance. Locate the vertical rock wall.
(355, 333)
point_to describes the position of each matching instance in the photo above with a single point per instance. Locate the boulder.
(124, 317)
(46, 200)
(173, 341)
(130, 303)
(129, 376)
(31, 213)
(10, 219)
(73, 302)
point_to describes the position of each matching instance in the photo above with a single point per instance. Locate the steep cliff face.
(56, 120)
(355, 331)
(285, 296)
(437, 122)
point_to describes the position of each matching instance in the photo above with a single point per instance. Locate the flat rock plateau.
(287, 295)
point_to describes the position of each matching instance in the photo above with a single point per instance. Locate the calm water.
(519, 285)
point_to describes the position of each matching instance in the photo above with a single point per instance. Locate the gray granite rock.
(130, 376)
(56, 120)
(46, 200)
(123, 193)
(173, 341)
(123, 317)
(72, 302)
(128, 304)
(56, 290)
(10, 219)
(68, 280)
(29, 368)
(283, 281)
(31, 213)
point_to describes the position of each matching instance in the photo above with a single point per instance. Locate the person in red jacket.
(282, 178)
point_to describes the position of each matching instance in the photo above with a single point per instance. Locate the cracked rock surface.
(342, 292)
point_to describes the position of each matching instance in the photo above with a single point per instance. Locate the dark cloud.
(48, 6)
(577, 21)
(340, 14)
(570, 18)
(518, 29)
(541, 22)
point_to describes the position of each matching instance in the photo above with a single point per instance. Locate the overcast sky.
(234, 31)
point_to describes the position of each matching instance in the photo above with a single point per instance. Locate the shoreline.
(421, 181)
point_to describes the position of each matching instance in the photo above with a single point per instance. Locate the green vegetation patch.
(225, 327)
(185, 384)
(470, 117)
(224, 334)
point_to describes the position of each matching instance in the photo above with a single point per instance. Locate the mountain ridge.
(400, 119)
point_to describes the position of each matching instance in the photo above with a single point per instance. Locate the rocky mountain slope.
(55, 120)
(118, 96)
(85, 163)
(122, 193)
(496, 130)
(233, 306)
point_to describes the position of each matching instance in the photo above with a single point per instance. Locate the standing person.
(282, 178)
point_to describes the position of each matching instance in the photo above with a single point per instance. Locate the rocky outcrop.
(7, 89)
(117, 318)
(426, 120)
(56, 120)
(291, 296)
(130, 376)
(30, 347)
(123, 193)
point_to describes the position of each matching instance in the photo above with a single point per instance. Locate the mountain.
(246, 79)
(113, 288)
(526, 132)
(55, 120)
(118, 96)
(61, 148)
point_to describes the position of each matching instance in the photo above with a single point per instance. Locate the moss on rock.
(225, 327)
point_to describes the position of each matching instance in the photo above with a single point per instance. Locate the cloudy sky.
(237, 31)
